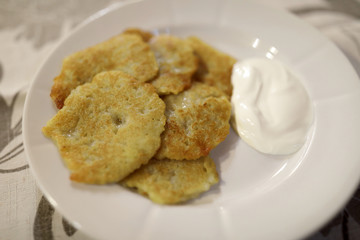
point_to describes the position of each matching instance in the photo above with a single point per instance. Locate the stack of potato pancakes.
(143, 111)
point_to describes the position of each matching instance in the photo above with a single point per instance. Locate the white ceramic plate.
(259, 196)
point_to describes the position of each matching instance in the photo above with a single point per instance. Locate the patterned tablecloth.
(29, 30)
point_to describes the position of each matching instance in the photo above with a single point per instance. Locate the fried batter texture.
(143, 110)
(145, 35)
(197, 121)
(108, 128)
(124, 52)
(215, 67)
(177, 64)
(171, 181)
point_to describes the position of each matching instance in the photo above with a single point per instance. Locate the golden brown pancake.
(124, 52)
(177, 64)
(145, 35)
(215, 67)
(172, 181)
(108, 128)
(197, 121)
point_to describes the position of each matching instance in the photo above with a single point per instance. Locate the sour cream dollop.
(272, 110)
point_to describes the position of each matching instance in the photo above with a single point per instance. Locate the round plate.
(259, 196)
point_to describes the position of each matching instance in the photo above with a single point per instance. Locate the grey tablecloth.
(29, 30)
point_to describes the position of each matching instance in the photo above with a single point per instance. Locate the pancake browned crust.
(124, 52)
(215, 67)
(145, 35)
(108, 128)
(197, 121)
(177, 64)
(171, 181)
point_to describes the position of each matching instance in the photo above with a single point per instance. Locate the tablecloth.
(29, 30)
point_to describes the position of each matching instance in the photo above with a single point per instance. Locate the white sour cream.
(272, 110)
